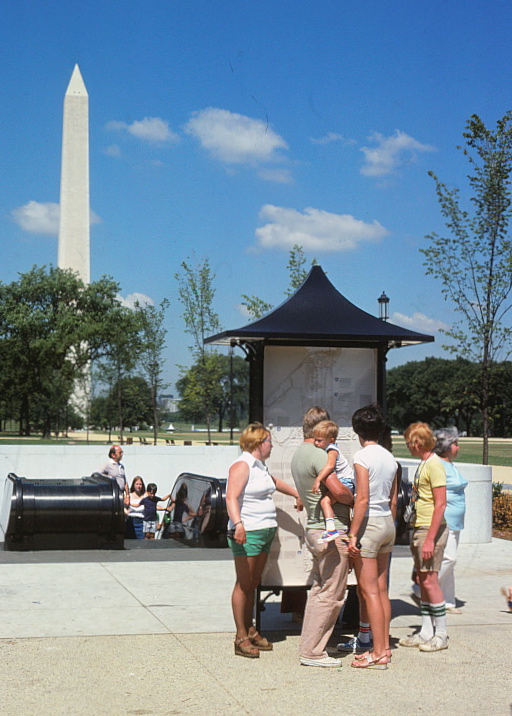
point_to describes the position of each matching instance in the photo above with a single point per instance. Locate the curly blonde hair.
(253, 436)
(421, 436)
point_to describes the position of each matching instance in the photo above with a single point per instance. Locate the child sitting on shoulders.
(325, 434)
(150, 523)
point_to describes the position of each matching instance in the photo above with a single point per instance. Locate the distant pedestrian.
(114, 469)
(150, 502)
(135, 511)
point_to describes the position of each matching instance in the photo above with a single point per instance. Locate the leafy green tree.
(189, 387)
(51, 326)
(120, 357)
(436, 390)
(196, 294)
(474, 262)
(257, 307)
(151, 359)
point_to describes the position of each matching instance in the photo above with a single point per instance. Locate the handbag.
(410, 510)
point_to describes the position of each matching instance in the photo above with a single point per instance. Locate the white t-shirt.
(257, 509)
(382, 467)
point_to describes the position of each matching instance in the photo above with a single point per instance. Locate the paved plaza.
(149, 631)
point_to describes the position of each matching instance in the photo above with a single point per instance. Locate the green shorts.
(257, 542)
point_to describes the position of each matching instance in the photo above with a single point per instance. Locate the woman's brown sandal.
(250, 652)
(260, 642)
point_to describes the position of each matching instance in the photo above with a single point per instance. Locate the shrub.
(502, 511)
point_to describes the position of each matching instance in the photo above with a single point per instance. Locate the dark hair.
(112, 450)
(369, 422)
(182, 493)
(151, 487)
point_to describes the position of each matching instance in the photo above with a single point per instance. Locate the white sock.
(427, 624)
(438, 612)
(365, 634)
(329, 524)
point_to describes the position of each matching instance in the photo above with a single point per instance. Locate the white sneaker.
(437, 643)
(413, 640)
(327, 661)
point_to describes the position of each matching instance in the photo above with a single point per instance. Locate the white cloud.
(42, 217)
(133, 298)
(332, 137)
(314, 229)
(391, 152)
(234, 138)
(149, 129)
(418, 322)
(113, 151)
(282, 176)
(38, 218)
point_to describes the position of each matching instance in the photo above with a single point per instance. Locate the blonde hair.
(421, 436)
(311, 418)
(326, 429)
(253, 436)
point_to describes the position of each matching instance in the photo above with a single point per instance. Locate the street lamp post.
(383, 307)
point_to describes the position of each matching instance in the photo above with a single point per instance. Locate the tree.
(51, 326)
(188, 386)
(257, 307)
(120, 356)
(474, 263)
(153, 334)
(196, 294)
(436, 390)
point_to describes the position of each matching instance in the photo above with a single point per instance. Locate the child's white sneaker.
(328, 536)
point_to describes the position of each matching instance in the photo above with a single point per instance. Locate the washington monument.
(74, 226)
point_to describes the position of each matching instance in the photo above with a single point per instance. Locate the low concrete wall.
(162, 465)
(478, 519)
(158, 464)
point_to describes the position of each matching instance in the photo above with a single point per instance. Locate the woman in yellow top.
(429, 538)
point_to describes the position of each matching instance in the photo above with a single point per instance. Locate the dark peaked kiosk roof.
(318, 315)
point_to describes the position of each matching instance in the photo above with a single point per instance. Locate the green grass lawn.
(500, 451)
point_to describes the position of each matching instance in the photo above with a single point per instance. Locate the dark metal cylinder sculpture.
(60, 514)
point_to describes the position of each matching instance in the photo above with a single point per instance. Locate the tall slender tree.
(196, 294)
(474, 261)
(153, 334)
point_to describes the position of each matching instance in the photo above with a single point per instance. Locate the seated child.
(325, 434)
(150, 523)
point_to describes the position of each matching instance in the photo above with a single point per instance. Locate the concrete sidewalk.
(150, 631)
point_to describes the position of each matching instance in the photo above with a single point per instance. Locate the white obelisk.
(74, 229)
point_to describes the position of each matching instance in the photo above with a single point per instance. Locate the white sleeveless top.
(257, 509)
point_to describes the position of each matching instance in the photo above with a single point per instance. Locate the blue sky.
(235, 129)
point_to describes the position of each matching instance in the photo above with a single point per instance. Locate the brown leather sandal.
(260, 642)
(250, 652)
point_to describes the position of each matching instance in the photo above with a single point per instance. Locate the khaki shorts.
(418, 538)
(378, 536)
